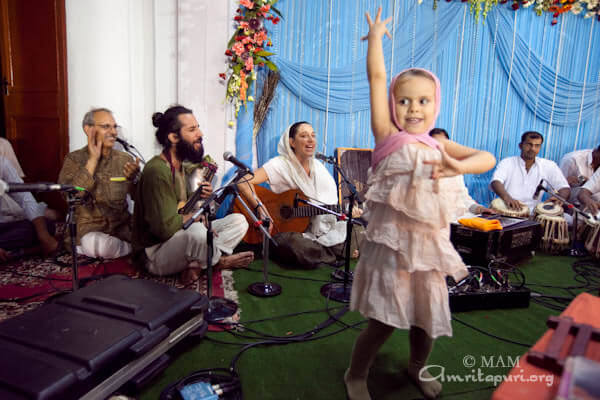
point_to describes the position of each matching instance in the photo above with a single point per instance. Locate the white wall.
(137, 57)
(204, 29)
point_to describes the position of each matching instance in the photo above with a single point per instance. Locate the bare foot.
(356, 388)
(237, 260)
(430, 387)
(190, 275)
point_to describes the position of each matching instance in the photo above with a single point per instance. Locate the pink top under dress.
(407, 254)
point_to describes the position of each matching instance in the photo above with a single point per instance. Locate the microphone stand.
(573, 251)
(72, 201)
(335, 290)
(265, 288)
(219, 308)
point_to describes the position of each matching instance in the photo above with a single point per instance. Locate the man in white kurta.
(589, 195)
(516, 178)
(579, 166)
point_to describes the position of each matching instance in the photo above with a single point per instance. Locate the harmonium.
(516, 241)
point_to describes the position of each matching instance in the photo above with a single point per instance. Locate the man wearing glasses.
(103, 220)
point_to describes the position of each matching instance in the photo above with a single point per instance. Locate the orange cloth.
(481, 223)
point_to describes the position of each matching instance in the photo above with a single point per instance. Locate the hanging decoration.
(262, 105)
(587, 8)
(246, 49)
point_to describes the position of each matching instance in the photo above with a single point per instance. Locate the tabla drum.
(585, 226)
(549, 208)
(500, 207)
(555, 231)
(591, 235)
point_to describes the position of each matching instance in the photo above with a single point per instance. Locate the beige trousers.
(189, 245)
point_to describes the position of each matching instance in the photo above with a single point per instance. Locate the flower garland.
(589, 8)
(246, 48)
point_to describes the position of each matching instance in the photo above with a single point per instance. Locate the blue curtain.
(513, 72)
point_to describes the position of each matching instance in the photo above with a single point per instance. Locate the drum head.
(500, 206)
(548, 208)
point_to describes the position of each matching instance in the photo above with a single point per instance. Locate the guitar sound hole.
(285, 212)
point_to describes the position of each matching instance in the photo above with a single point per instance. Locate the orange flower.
(260, 37)
(238, 48)
(247, 4)
(249, 63)
(243, 85)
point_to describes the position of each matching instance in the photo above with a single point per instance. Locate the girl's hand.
(377, 28)
(445, 167)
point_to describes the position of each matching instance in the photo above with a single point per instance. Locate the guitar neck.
(309, 211)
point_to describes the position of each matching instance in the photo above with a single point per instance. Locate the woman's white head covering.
(319, 185)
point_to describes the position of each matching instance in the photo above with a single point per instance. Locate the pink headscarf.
(396, 140)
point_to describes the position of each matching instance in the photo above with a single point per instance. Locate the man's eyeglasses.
(108, 126)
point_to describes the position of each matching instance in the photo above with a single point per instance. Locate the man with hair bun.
(160, 242)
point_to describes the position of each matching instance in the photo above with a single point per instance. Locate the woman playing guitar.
(296, 168)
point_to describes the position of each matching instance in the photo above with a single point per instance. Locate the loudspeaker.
(63, 349)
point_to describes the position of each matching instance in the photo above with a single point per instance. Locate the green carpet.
(314, 369)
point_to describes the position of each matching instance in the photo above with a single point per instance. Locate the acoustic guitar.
(288, 213)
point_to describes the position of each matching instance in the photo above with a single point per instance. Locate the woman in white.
(296, 168)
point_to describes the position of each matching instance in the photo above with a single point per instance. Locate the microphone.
(228, 156)
(539, 188)
(36, 187)
(123, 143)
(325, 158)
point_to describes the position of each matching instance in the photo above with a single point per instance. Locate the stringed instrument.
(288, 213)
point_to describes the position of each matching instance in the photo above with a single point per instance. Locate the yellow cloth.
(481, 223)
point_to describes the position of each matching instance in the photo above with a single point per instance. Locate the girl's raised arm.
(381, 122)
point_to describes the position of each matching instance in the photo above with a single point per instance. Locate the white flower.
(577, 8)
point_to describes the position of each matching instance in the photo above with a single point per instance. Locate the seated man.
(589, 195)
(469, 204)
(578, 166)
(160, 242)
(7, 152)
(22, 222)
(103, 222)
(516, 178)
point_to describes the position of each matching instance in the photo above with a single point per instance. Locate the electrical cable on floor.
(490, 334)
(444, 395)
(203, 377)
(288, 276)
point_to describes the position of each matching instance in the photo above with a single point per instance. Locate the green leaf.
(264, 53)
(271, 66)
(237, 68)
(277, 12)
(232, 40)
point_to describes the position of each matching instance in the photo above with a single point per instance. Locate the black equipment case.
(511, 244)
(94, 339)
